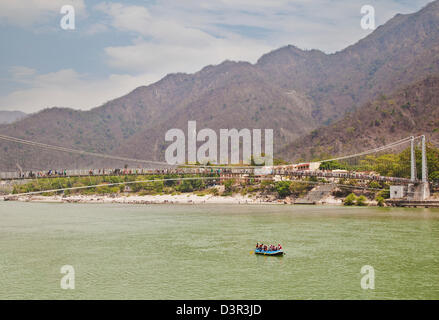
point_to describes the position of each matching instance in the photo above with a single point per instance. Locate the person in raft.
(269, 248)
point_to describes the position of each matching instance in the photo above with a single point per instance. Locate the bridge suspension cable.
(63, 149)
(107, 156)
(375, 150)
(161, 163)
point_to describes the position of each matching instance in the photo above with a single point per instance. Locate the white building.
(397, 192)
(311, 166)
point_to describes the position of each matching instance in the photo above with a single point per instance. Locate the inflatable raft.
(269, 253)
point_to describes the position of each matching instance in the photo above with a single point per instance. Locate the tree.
(389, 165)
(433, 162)
(331, 165)
(280, 162)
(283, 188)
(404, 161)
(393, 165)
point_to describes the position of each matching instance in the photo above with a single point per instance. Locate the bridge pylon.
(425, 188)
(412, 160)
(418, 190)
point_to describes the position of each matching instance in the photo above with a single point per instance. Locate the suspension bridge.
(406, 185)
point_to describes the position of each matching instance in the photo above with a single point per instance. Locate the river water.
(204, 252)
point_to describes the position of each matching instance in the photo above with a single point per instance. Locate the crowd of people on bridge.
(109, 171)
(41, 174)
(228, 172)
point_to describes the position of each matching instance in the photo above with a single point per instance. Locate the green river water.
(204, 251)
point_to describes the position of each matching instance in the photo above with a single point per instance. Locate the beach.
(187, 198)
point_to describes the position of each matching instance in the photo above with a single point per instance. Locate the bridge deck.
(226, 173)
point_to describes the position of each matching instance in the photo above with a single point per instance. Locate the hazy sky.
(119, 45)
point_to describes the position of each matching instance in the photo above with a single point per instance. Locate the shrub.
(300, 188)
(384, 194)
(380, 201)
(228, 186)
(185, 186)
(361, 201)
(267, 184)
(434, 175)
(170, 183)
(158, 186)
(375, 185)
(283, 188)
(213, 191)
(197, 184)
(350, 130)
(350, 200)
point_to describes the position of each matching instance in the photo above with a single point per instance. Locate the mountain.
(11, 116)
(230, 94)
(290, 90)
(412, 110)
(403, 50)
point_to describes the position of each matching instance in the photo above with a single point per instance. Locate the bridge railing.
(202, 170)
(9, 175)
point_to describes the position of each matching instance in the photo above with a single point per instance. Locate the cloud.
(168, 37)
(25, 13)
(21, 73)
(156, 28)
(166, 58)
(67, 88)
(328, 25)
(165, 44)
(139, 43)
(185, 37)
(96, 28)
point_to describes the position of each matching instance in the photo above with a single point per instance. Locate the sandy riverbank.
(186, 198)
(150, 199)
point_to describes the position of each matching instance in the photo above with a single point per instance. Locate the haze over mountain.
(11, 116)
(290, 90)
